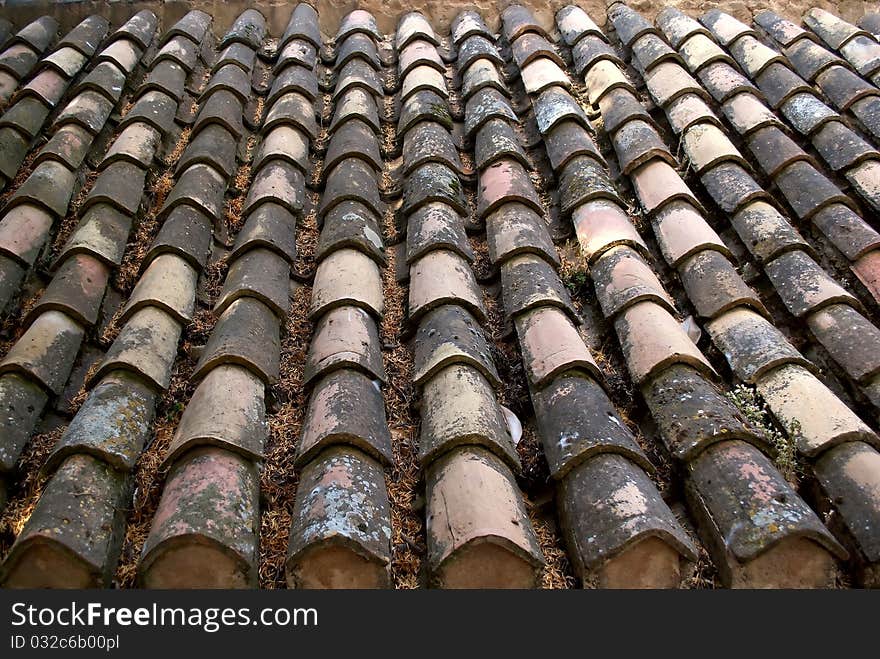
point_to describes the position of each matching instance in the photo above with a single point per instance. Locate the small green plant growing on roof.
(752, 406)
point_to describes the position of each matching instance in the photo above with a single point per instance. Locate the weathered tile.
(68, 146)
(357, 46)
(141, 28)
(345, 408)
(668, 81)
(436, 226)
(340, 535)
(11, 276)
(345, 337)
(725, 27)
(72, 537)
(479, 535)
(504, 182)
(224, 108)
(233, 79)
(746, 113)
(351, 180)
(466, 24)
(583, 180)
(123, 54)
(865, 180)
(833, 30)
(530, 47)
(482, 74)
(779, 84)
(849, 233)
(277, 182)
(699, 51)
(249, 28)
(297, 51)
(358, 21)
(423, 78)
(356, 104)
(723, 82)
(732, 187)
(113, 424)
(419, 53)
(681, 232)
(351, 225)
(347, 277)
(591, 50)
(574, 24)
(201, 187)
(300, 80)
(516, 229)
(652, 340)
(26, 116)
(651, 50)
(780, 29)
(284, 142)
(810, 59)
(637, 142)
(567, 141)
(656, 184)
(848, 476)
(623, 278)
(714, 286)
(774, 150)
(603, 77)
(601, 225)
(752, 345)
(849, 338)
(186, 233)
(807, 190)
(678, 26)
(45, 352)
(358, 74)
(753, 56)
(618, 529)
(810, 413)
(120, 185)
(450, 335)
(495, 140)
(154, 108)
(765, 232)
(294, 110)
(167, 77)
(864, 54)
(551, 346)
(14, 148)
(426, 142)
(23, 402)
(102, 232)
(228, 411)
(488, 103)
(760, 533)
(169, 283)
(49, 186)
(414, 26)
(804, 286)
(193, 25)
(246, 334)
(214, 146)
(528, 282)
(692, 414)
(424, 105)
(18, 60)
(146, 346)
(433, 182)
(303, 24)
(180, 50)
(24, 231)
(706, 146)
(475, 48)
(205, 530)
(65, 60)
(443, 277)
(137, 144)
(459, 409)
(629, 24)
(517, 20)
(620, 106)
(77, 289)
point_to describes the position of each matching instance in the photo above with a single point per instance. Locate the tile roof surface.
(594, 305)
